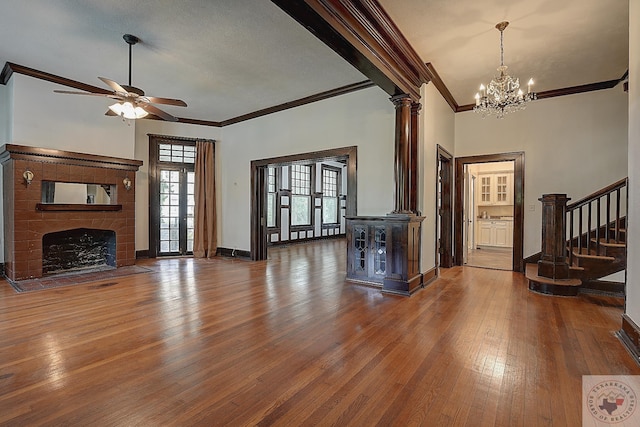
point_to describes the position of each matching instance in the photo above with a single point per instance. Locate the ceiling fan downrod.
(131, 40)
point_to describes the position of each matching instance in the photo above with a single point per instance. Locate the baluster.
(618, 215)
(598, 226)
(580, 231)
(570, 237)
(606, 232)
(588, 241)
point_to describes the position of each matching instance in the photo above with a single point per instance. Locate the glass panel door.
(177, 208)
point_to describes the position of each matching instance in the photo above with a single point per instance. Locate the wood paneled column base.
(553, 269)
(629, 334)
(385, 251)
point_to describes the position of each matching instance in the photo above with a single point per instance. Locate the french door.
(171, 196)
(176, 197)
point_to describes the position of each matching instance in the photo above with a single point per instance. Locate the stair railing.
(612, 213)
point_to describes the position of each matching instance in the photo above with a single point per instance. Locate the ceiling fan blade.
(158, 112)
(73, 92)
(113, 85)
(167, 101)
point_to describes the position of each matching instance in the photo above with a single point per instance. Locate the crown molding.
(10, 68)
(366, 37)
(299, 102)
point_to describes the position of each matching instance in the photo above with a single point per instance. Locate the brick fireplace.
(29, 215)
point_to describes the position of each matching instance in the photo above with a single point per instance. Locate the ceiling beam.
(365, 36)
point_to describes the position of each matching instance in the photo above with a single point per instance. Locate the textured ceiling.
(560, 43)
(226, 58)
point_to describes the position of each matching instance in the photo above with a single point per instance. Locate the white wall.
(573, 144)
(364, 118)
(436, 127)
(6, 111)
(633, 228)
(158, 127)
(45, 119)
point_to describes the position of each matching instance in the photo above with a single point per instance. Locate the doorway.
(482, 191)
(171, 195)
(267, 195)
(488, 215)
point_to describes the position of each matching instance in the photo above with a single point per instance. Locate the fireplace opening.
(78, 250)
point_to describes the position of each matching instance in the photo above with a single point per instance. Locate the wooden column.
(402, 149)
(413, 158)
(553, 263)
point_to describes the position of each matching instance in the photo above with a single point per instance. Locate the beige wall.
(6, 104)
(42, 118)
(633, 228)
(364, 118)
(436, 128)
(573, 144)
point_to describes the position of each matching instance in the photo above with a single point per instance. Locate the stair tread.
(611, 243)
(591, 255)
(532, 274)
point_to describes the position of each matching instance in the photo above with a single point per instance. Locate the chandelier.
(503, 94)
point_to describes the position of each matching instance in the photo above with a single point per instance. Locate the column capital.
(402, 100)
(415, 108)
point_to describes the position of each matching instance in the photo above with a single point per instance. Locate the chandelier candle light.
(503, 95)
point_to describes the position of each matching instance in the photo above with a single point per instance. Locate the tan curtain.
(205, 241)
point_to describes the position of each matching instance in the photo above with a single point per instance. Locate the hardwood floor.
(288, 342)
(495, 258)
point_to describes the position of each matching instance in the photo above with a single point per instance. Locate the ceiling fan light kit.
(132, 102)
(503, 94)
(128, 111)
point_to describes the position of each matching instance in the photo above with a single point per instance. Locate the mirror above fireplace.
(76, 193)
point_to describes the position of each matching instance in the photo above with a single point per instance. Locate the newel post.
(553, 263)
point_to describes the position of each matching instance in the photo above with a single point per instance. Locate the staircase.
(574, 260)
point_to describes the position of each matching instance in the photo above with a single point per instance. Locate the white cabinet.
(495, 233)
(495, 189)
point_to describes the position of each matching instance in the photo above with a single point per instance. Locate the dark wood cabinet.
(385, 251)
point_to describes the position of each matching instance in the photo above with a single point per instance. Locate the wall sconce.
(28, 176)
(127, 183)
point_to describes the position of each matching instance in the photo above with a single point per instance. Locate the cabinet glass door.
(501, 188)
(485, 189)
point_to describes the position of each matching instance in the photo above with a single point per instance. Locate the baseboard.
(604, 287)
(429, 276)
(233, 253)
(307, 240)
(142, 254)
(629, 335)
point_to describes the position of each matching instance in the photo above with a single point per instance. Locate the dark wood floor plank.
(288, 341)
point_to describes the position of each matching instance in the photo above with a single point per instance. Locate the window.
(330, 201)
(300, 195)
(271, 196)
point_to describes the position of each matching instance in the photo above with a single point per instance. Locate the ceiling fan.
(132, 102)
